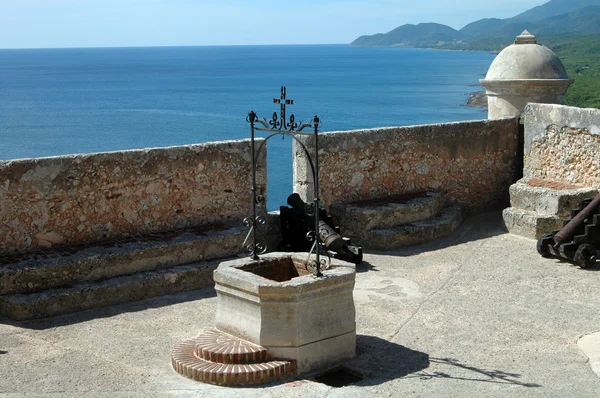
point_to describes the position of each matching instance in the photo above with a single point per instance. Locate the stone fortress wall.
(562, 144)
(123, 206)
(473, 162)
(86, 198)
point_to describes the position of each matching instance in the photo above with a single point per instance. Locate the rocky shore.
(477, 99)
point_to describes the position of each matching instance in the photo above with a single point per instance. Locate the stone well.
(277, 303)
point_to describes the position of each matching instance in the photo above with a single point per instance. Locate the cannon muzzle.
(327, 235)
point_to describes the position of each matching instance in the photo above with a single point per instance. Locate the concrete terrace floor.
(477, 314)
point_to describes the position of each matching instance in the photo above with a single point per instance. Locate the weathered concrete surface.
(479, 314)
(562, 143)
(82, 198)
(473, 162)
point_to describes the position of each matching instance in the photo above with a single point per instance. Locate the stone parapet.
(472, 162)
(561, 168)
(84, 198)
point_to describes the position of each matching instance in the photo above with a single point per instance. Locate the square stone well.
(277, 303)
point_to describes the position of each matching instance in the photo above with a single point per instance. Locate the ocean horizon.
(86, 100)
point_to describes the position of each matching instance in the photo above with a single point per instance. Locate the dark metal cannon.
(579, 239)
(330, 238)
(298, 220)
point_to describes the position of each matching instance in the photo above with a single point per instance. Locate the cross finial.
(283, 101)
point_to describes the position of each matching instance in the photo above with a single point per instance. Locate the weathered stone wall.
(81, 198)
(473, 162)
(562, 144)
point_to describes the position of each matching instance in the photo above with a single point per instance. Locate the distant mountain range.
(554, 18)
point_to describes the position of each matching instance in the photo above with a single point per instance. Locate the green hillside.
(553, 8)
(581, 57)
(584, 20)
(423, 34)
(571, 28)
(482, 27)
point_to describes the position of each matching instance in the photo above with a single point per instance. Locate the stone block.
(546, 200)
(530, 224)
(320, 355)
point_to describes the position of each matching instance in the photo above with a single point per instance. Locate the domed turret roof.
(525, 59)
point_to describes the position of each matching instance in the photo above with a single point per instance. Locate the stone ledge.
(548, 197)
(414, 233)
(47, 269)
(118, 290)
(529, 224)
(356, 218)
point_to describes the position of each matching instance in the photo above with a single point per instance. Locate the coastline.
(477, 99)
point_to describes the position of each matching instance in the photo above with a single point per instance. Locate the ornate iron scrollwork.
(280, 124)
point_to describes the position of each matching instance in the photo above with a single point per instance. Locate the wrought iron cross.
(282, 123)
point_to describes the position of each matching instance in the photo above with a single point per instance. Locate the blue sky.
(110, 23)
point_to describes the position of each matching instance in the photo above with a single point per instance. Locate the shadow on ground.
(365, 266)
(476, 374)
(378, 361)
(107, 312)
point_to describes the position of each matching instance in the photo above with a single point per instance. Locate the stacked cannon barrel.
(579, 239)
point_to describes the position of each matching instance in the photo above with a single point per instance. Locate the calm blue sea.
(62, 101)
